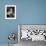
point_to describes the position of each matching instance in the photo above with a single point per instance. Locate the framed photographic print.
(10, 11)
(33, 32)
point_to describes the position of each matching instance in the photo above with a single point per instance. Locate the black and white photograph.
(10, 11)
(28, 34)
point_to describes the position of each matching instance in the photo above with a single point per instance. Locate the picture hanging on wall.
(10, 11)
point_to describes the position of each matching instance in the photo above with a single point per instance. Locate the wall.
(27, 12)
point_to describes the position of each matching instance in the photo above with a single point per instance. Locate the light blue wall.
(27, 12)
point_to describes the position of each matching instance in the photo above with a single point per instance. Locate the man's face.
(10, 12)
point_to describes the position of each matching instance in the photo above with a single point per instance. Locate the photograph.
(10, 11)
(29, 33)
